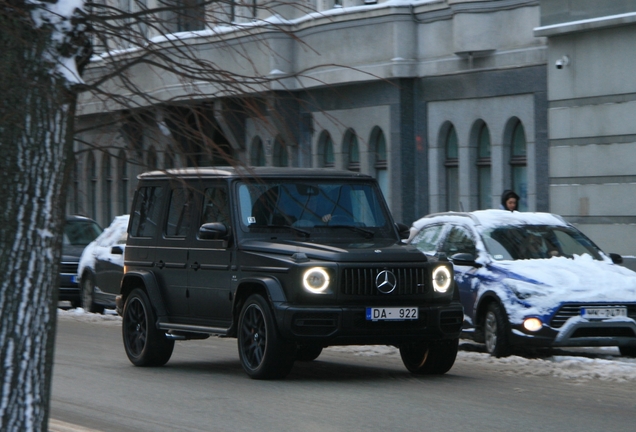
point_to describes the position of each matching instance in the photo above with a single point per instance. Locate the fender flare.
(148, 282)
(271, 285)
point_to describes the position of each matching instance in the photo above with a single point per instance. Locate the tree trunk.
(36, 112)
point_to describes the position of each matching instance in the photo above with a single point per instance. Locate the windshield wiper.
(302, 232)
(367, 233)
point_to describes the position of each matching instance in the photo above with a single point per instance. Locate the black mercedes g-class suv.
(286, 260)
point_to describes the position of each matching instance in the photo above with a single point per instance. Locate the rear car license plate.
(603, 312)
(392, 313)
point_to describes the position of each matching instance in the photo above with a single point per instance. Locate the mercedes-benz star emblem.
(386, 282)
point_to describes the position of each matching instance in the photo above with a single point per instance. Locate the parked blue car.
(532, 280)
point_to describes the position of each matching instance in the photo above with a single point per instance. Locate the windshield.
(312, 207)
(80, 232)
(537, 242)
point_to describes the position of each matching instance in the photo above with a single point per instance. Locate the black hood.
(71, 253)
(368, 251)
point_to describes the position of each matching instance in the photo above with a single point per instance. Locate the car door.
(210, 260)
(109, 266)
(460, 239)
(171, 260)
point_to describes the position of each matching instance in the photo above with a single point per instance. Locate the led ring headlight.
(441, 279)
(316, 280)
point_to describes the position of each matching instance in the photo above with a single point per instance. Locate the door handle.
(196, 266)
(160, 264)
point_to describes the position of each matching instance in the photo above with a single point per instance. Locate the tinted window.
(80, 232)
(145, 214)
(427, 239)
(459, 240)
(178, 222)
(215, 206)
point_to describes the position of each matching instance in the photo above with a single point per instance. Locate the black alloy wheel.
(430, 358)
(263, 353)
(145, 345)
(88, 295)
(496, 331)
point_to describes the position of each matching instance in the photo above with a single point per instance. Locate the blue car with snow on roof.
(532, 280)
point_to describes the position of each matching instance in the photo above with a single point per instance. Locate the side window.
(178, 223)
(145, 214)
(428, 238)
(459, 240)
(215, 206)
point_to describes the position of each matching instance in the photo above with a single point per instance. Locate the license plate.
(603, 312)
(392, 313)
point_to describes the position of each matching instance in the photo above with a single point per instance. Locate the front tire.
(263, 353)
(496, 331)
(88, 296)
(145, 345)
(430, 358)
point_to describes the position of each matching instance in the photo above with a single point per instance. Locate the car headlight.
(523, 290)
(441, 279)
(316, 280)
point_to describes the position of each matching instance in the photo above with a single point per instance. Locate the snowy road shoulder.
(577, 365)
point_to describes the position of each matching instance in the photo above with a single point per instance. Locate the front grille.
(569, 310)
(70, 268)
(361, 281)
(603, 332)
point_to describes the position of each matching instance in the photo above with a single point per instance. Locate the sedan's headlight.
(441, 279)
(316, 280)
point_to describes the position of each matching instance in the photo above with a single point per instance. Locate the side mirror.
(403, 229)
(213, 231)
(117, 250)
(464, 259)
(616, 258)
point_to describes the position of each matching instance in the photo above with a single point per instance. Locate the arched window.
(353, 152)
(280, 153)
(518, 162)
(380, 164)
(257, 157)
(107, 184)
(91, 175)
(76, 204)
(484, 186)
(451, 164)
(168, 159)
(122, 177)
(325, 149)
(151, 160)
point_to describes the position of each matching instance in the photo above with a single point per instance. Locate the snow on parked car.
(101, 267)
(533, 280)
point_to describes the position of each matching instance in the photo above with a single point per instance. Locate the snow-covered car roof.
(493, 218)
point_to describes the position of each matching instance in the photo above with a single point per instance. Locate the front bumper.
(579, 332)
(68, 288)
(348, 325)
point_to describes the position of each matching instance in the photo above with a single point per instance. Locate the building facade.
(443, 101)
(592, 117)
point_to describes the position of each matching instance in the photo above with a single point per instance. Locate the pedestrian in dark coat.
(509, 200)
